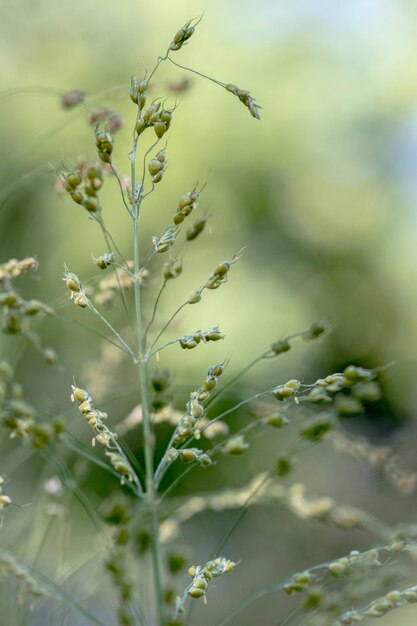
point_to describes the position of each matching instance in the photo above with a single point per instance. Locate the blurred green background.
(322, 193)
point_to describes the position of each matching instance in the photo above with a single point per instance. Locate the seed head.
(245, 97)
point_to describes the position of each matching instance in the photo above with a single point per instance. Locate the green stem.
(148, 435)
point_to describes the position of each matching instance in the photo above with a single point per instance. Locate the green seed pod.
(178, 218)
(134, 90)
(161, 156)
(153, 118)
(161, 380)
(200, 583)
(213, 335)
(72, 281)
(33, 307)
(283, 392)
(160, 129)
(281, 346)
(141, 125)
(222, 269)
(80, 300)
(194, 297)
(317, 430)
(176, 562)
(154, 166)
(184, 201)
(11, 324)
(90, 191)
(196, 229)
(276, 421)
(79, 395)
(73, 179)
(293, 384)
(195, 409)
(236, 446)
(319, 396)
(77, 196)
(91, 204)
(50, 356)
(194, 592)
(316, 330)
(158, 177)
(188, 344)
(284, 466)
(216, 370)
(10, 299)
(86, 406)
(166, 116)
(232, 88)
(348, 406)
(172, 269)
(367, 392)
(105, 260)
(188, 455)
(210, 383)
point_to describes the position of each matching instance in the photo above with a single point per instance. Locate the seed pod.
(316, 330)
(160, 380)
(50, 356)
(73, 179)
(319, 396)
(236, 446)
(77, 196)
(172, 269)
(194, 297)
(154, 166)
(213, 335)
(134, 90)
(105, 260)
(283, 392)
(10, 299)
(182, 36)
(91, 204)
(348, 406)
(141, 125)
(284, 466)
(195, 592)
(196, 229)
(277, 421)
(188, 455)
(160, 129)
(166, 117)
(222, 269)
(33, 307)
(283, 345)
(80, 299)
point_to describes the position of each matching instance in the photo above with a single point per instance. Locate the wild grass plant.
(156, 578)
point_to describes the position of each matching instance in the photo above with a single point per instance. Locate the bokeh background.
(322, 193)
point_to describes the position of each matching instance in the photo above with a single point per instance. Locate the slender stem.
(113, 330)
(109, 240)
(158, 297)
(171, 319)
(147, 425)
(189, 69)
